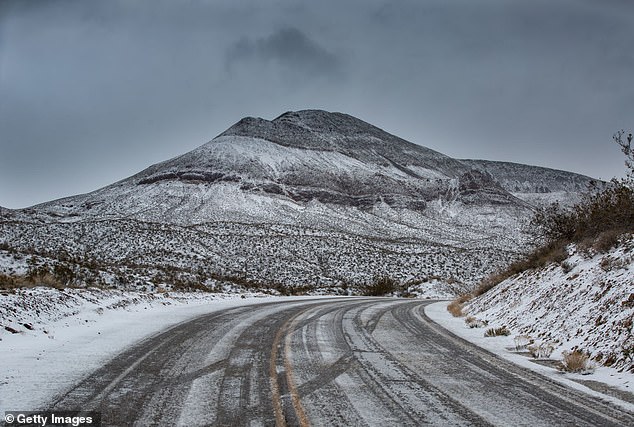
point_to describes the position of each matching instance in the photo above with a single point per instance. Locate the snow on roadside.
(585, 303)
(62, 335)
(503, 346)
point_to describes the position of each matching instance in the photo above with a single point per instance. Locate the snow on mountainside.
(309, 199)
(260, 169)
(535, 184)
(585, 303)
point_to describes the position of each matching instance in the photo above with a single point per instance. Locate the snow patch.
(62, 335)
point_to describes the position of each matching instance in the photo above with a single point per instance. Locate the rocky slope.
(536, 185)
(309, 199)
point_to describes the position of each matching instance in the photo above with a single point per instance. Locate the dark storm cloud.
(288, 47)
(91, 92)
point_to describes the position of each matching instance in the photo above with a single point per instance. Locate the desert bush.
(473, 322)
(625, 144)
(577, 361)
(602, 215)
(497, 332)
(522, 341)
(490, 282)
(552, 253)
(608, 263)
(542, 350)
(567, 267)
(455, 308)
(606, 240)
(381, 285)
(7, 282)
(599, 220)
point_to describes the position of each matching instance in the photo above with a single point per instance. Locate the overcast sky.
(94, 91)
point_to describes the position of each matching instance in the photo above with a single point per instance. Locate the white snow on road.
(64, 335)
(70, 333)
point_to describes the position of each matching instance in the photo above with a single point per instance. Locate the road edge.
(437, 312)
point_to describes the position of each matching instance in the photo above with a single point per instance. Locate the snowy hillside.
(309, 199)
(585, 303)
(536, 185)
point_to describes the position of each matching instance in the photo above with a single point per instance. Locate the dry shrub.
(44, 279)
(497, 332)
(455, 308)
(473, 322)
(381, 285)
(609, 212)
(464, 298)
(490, 282)
(552, 253)
(606, 240)
(567, 267)
(577, 361)
(539, 351)
(597, 221)
(7, 282)
(522, 341)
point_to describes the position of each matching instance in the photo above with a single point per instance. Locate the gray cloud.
(289, 48)
(92, 92)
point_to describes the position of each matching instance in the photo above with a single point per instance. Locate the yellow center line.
(278, 409)
(297, 404)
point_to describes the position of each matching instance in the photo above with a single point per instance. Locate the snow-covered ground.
(88, 327)
(62, 335)
(584, 303)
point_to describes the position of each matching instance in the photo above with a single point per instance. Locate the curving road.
(336, 362)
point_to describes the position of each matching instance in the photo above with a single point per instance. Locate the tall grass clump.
(455, 306)
(577, 362)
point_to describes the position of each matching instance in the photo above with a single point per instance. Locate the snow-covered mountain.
(310, 198)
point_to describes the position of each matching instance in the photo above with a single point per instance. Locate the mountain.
(533, 184)
(310, 199)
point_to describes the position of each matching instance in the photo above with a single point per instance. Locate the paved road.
(338, 362)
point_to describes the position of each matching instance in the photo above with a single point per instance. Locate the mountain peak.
(326, 131)
(322, 120)
(315, 129)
